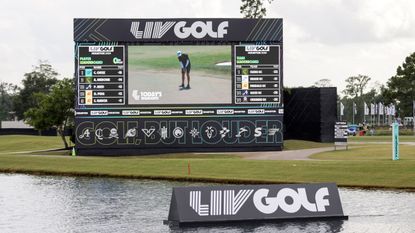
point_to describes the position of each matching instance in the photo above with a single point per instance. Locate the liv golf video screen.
(178, 85)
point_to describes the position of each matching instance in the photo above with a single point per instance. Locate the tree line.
(43, 101)
(359, 103)
(386, 102)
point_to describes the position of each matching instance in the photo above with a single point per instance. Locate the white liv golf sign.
(254, 202)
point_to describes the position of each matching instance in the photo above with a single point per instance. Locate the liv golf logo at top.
(198, 29)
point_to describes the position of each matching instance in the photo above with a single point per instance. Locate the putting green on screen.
(159, 58)
(154, 75)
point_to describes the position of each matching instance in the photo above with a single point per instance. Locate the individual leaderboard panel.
(257, 74)
(101, 75)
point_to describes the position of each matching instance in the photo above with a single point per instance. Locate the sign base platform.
(173, 224)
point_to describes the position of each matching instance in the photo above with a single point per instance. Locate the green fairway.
(203, 58)
(14, 143)
(369, 152)
(383, 173)
(301, 144)
(363, 166)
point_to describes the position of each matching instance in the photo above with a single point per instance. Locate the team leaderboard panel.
(257, 74)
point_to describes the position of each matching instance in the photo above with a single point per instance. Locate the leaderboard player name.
(257, 99)
(101, 100)
(104, 79)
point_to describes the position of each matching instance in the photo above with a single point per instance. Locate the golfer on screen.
(185, 65)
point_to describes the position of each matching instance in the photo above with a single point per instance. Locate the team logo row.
(177, 132)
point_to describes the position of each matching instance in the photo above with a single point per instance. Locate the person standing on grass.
(185, 65)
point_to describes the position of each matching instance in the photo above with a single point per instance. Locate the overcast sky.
(331, 39)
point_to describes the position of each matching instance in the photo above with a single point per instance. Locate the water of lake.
(79, 204)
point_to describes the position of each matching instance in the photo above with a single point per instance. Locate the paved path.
(301, 154)
(284, 155)
(383, 143)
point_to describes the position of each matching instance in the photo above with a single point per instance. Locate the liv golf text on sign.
(254, 202)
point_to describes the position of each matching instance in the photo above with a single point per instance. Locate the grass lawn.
(368, 166)
(15, 143)
(380, 173)
(369, 152)
(300, 144)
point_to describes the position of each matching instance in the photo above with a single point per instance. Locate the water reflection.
(76, 204)
(321, 226)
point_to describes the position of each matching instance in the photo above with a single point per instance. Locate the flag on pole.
(413, 115)
(341, 109)
(380, 108)
(354, 108)
(366, 108)
(413, 110)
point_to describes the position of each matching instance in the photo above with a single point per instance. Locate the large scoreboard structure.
(178, 85)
